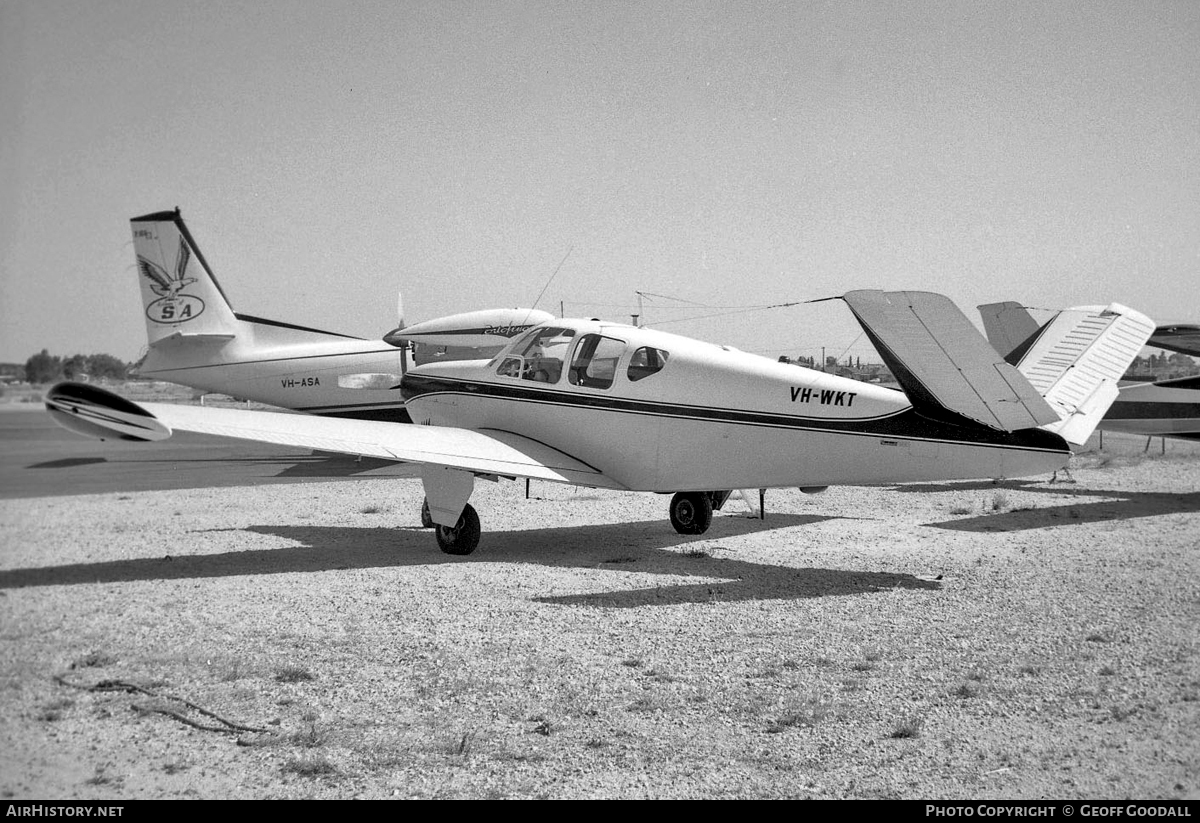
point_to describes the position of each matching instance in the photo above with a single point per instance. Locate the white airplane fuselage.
(339, 378)
(765, 424)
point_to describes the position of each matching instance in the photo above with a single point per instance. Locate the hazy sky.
(733, 153)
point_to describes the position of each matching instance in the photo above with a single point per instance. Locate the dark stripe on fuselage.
(1152, 410)
(908, 424)
(1189, 382)
(491, 331)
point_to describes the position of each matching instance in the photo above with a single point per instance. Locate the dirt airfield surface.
(293, 639)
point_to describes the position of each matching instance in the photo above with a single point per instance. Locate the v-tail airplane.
(1165, 408)
(196, 339)
(607, 405)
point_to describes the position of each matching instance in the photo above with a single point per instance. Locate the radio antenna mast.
(551, 280)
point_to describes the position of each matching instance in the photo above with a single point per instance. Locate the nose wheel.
(463, 537)
(691, 512)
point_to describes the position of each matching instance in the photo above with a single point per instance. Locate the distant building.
(12, 373)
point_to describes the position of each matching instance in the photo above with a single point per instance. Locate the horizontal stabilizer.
(1077, 360)
(98, 413)
(944, 364)
(194, 339)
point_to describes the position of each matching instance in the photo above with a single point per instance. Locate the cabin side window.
(645, 362)
(595, 363)
(538, 356)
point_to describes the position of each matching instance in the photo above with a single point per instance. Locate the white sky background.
(327, 155)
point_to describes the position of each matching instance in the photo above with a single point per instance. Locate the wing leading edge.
(97, 413)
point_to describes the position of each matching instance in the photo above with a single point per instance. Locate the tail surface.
(1064, 379)
(1009, 327)
(180, 296)
(190, 323)
(1077, 359)
(944, 365)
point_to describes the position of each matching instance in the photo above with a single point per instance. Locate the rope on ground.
(226, 727)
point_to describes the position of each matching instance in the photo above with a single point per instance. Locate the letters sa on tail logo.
(173, 306)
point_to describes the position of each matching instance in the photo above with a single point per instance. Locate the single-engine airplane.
(196, 339)
(1165, 408)
(607, 405)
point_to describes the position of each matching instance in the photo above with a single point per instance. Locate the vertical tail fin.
(180, 296)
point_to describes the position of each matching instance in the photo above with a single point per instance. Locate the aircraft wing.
(98, 413)
(1179, 337)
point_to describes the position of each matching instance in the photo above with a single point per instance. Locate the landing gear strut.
(463, 537)
(691, 512)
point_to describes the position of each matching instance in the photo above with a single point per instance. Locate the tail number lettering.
(826, 397)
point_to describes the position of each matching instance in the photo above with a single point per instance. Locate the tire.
(426, 517)
(463, 538)
(691, 512)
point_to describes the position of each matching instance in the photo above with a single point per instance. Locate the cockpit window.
(645, 362)
(537, 356)
(595, 362)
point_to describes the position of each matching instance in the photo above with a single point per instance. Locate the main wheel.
(463, 537)
(426, 517)
(691, 512)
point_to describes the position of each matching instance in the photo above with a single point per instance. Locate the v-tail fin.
(944, 365)
(1061, 377)
(1010, 328)
(1077, 359)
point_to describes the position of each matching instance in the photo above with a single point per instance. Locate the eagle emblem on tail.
(163, 284)
(173, 306)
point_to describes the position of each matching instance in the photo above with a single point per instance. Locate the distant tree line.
(1162, 366)
(44, 367)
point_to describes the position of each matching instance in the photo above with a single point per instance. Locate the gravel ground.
(964, 640)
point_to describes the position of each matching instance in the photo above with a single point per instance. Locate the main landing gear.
(463, 537)
(691, 512)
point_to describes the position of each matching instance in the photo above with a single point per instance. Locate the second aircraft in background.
(196, 339)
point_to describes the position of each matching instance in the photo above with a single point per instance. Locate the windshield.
(537, 356)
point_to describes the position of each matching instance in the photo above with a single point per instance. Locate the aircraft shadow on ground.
(68, 463)
(639, 547)
(1125, 506)
(980, 485)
